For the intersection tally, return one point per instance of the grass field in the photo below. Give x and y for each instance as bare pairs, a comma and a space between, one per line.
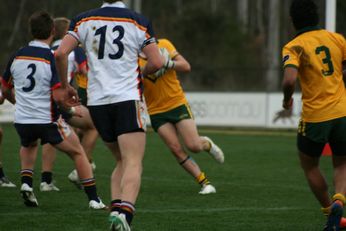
259, 187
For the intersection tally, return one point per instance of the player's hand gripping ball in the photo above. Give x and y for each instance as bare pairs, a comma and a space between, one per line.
168, 64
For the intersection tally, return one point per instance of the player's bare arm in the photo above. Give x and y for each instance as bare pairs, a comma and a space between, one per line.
288, 85
181, 64
61, 56
7, 93
155, 60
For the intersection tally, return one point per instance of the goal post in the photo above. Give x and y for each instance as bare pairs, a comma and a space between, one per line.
331, 15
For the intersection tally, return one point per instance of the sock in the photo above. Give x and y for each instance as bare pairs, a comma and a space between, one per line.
26, 176
202, 179
186, 159
116, 205
90, 189
128, 209
339, 197
2, 174
326, 210
46, 177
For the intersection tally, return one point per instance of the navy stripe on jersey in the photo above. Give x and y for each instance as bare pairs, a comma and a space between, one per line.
114, 12
79, 55
35, 53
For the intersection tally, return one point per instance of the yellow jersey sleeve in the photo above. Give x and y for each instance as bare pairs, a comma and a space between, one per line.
342, 43
165, 43
291, 56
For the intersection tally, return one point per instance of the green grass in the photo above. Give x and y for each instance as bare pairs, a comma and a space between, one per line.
259, 187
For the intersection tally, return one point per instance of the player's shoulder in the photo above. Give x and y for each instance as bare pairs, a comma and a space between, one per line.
41, 53
164, 41
339, 37
112, 12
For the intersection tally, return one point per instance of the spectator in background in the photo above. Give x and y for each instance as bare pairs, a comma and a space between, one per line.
317, 56
32, 74
112, 37
171, 117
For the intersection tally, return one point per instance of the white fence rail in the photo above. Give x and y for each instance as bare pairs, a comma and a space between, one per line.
226, 110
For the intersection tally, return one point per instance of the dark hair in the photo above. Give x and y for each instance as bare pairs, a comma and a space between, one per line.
304, 13
61, 26
41, 25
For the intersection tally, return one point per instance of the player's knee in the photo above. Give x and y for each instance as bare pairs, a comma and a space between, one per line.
175, 148
194, 147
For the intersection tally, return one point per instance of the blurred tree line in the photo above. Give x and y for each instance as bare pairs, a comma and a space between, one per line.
231, 45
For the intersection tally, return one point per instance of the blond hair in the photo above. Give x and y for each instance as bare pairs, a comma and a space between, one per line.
61, 25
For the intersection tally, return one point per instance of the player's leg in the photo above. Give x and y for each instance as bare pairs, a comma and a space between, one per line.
132, 147
4, 181
88, 131
71, 145
337, 143
116, 177
89, 137
188, 130
27, 158
315, 178
169, 135
29, 135
48, 159
311, 140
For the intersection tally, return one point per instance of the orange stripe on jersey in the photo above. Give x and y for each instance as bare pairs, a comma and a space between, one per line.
95, 18
33, 58
61, 129
139, 118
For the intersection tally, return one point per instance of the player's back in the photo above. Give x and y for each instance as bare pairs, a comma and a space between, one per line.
112, 38
319, 54
33, 78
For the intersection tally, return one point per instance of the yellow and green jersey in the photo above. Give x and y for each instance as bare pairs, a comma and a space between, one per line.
81, 80
318, 55
164, 93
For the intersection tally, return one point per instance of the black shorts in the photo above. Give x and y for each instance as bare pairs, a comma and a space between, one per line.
53, 133
312, 137
113, 120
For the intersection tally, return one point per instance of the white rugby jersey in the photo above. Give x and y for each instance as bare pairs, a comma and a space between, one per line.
76, 59
71, 66
32, 73
112, 37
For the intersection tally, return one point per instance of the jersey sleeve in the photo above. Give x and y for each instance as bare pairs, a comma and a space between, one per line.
149, 36
7, 76
169, 47
73, 30
343, 45
290, 57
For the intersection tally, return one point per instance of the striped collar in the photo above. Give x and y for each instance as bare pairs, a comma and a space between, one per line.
118, 4
37, 43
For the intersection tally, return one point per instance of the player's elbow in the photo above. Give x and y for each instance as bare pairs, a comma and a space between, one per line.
186, 67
